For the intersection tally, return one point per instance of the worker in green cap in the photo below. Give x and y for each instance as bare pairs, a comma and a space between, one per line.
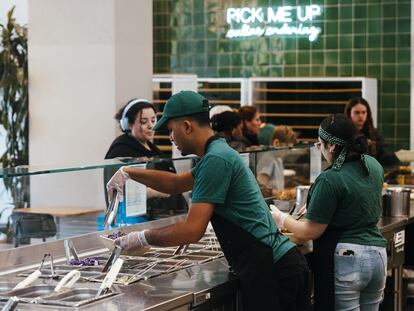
273, 273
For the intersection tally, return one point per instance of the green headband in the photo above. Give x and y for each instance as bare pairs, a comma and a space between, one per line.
337, 165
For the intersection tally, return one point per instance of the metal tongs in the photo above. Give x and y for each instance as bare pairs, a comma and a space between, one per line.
70, 250
110, 277
113, 258
52, 269
181, 249
11, 304
112, 210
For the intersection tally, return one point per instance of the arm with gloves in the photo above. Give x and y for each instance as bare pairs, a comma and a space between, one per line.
188, 231
306, 229
165, 182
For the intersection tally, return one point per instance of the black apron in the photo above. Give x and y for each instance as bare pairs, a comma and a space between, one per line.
250, 259
321, 262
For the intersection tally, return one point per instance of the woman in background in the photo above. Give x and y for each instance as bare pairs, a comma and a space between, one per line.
358, 110
137, 120
228, 125
251, 125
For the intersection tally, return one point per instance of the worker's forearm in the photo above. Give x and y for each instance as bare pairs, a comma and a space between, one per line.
159, 180
174, 235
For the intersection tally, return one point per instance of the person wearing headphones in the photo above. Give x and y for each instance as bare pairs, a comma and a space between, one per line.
137, 119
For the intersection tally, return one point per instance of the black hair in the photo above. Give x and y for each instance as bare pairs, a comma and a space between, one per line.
339, 125
134, 110
225, 121
247, 113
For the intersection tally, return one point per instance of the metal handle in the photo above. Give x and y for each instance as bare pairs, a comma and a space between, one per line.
112, 210
70, 250
11, 304
68, 280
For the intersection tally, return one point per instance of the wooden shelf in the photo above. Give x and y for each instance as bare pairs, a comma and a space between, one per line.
224, 101
271, 90
304, 127
295, 115
219, 90
300, 102
165, 148
163, 90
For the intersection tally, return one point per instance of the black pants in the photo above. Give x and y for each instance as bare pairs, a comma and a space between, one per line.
284, 288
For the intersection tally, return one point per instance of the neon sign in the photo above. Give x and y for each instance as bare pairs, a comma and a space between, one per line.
283, 20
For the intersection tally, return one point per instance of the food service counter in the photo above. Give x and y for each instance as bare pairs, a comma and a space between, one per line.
200, 286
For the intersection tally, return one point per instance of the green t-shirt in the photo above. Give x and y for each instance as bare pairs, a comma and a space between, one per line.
350, 199
265, 134
222, 178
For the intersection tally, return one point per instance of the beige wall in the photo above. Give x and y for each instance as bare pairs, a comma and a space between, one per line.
86, 58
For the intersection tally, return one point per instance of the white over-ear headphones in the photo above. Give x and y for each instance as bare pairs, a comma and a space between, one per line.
123, 122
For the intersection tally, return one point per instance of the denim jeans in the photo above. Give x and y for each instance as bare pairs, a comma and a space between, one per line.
360, 275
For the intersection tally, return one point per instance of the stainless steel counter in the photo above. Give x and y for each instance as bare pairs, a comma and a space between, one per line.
181, 290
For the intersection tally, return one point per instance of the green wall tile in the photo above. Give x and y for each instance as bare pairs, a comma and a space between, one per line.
345, 12
360, 11
403, 132
345, 27
303, 58
331, 71
404, 10
303, 72
359, 38
389, 71
317, 58
389, 10
403, 115
387, 116
331, 58
289, 71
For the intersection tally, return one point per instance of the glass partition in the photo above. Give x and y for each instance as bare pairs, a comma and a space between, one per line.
43, 203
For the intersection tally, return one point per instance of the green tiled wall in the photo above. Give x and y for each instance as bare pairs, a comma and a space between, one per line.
369, 38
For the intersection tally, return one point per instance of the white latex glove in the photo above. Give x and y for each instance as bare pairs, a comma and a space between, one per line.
278, 216
133, 240
117, 182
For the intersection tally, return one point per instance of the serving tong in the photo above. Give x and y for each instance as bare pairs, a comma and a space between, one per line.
116, 252
70, 250
11, 304
112, 210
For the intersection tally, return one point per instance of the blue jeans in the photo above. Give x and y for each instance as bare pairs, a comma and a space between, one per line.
360, 275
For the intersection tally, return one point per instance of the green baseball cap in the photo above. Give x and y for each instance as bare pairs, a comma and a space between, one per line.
181, 104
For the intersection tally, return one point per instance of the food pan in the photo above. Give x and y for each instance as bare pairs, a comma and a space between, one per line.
27, 294
74, 297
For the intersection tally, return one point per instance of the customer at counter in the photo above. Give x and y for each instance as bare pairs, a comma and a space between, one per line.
343, 209
251, 125
270, 166
273, 273
359, 111
137, 120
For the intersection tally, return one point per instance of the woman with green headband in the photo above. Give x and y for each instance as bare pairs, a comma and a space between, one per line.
349, 259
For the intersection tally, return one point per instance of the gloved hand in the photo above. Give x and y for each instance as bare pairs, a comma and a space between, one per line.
278, 216
117, 182
133, 240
